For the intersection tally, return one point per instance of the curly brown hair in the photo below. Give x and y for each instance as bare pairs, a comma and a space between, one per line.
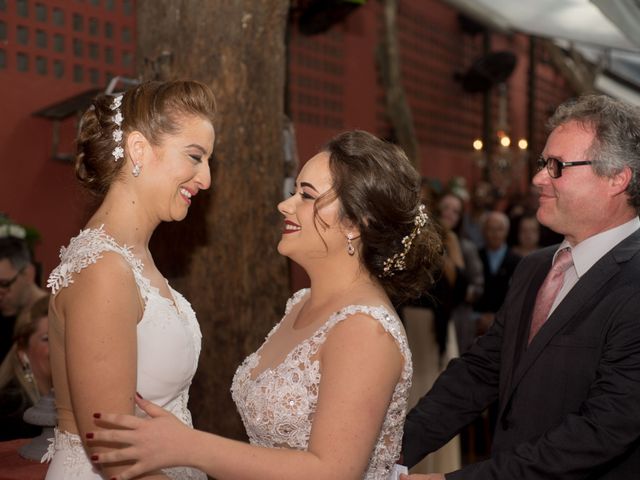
379, 193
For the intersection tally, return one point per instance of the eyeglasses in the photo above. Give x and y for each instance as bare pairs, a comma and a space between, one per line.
555, 165
6, 284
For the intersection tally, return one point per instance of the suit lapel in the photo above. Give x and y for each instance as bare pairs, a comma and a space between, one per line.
519, 345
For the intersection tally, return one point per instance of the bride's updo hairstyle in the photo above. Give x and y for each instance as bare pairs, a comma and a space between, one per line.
379, 191
152, 108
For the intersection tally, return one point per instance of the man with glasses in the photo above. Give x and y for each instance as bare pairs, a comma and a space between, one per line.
18, 290
563, 354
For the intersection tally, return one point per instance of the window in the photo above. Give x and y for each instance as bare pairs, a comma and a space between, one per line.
41, 12
77, 22
22, 35
41, 38
3, 59
3, 30
58, 42
94, 76
109, 4
108, 55
127, 7
108, 29
22, 62
3, 7
22, 7
58, 68
58, 17
126, 59
93, 26
77, 47
78, 73
93, 51
107, 77
41, 65
126, 35
95, 2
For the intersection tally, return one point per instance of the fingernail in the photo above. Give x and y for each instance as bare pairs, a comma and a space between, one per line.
139, 396
96, 415
94, 458
89, 435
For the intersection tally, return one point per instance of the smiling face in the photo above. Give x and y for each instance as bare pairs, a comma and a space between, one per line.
306, 238
450, 208
579, 203
176, 169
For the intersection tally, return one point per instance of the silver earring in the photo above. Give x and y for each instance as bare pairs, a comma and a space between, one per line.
26, 370
136, 169
350, 249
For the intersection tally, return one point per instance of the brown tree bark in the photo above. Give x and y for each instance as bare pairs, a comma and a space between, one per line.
398, 107
223, 256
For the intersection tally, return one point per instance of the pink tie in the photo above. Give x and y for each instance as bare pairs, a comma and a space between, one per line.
549, 290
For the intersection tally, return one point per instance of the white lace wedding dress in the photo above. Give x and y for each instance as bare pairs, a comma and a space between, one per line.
277, 407
168, 341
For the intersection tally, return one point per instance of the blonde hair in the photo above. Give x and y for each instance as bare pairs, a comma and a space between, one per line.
11, 367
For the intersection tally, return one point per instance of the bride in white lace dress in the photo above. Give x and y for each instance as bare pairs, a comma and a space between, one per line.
325, 396
116, 326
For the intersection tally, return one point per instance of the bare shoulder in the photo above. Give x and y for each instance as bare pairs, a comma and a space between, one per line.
364, 334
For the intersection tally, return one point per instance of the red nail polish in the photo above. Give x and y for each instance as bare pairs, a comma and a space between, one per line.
96, 415
89, 435
94, 458
139, 396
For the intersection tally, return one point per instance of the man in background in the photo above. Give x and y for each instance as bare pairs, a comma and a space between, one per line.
18, 289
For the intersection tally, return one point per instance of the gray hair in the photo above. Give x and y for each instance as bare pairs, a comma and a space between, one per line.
616, 144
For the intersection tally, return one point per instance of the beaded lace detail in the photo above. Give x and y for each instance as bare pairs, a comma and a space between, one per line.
277, 407
169, 343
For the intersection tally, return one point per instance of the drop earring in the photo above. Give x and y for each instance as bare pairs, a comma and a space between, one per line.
135, 171
26, 369
350, 249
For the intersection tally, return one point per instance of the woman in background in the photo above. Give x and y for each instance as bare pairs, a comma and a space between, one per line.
25, 373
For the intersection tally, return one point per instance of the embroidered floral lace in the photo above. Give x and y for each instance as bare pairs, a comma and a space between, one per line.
277, 407
169, 341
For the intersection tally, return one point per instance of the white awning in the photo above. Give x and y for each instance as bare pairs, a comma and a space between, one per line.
607, 32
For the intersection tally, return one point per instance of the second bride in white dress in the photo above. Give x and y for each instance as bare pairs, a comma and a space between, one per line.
116, 327
326, 395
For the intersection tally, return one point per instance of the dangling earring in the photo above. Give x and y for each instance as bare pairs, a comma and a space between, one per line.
136, 169
350, 249
26, 369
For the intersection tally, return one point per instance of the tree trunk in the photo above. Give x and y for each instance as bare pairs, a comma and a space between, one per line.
223, 256
398, 107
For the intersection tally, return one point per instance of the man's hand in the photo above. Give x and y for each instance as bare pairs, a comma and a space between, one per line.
417, 476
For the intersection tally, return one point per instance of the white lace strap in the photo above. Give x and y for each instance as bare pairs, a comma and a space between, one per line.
389, 322
295, 298
86, 249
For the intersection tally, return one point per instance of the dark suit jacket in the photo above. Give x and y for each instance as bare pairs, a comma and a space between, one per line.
496, 284
569, 403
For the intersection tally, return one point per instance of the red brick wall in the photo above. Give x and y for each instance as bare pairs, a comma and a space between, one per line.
35, 189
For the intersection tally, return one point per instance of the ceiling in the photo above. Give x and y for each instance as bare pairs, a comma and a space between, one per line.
606, 32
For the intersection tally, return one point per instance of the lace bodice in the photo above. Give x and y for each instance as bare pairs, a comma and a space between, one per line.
168, 334
277, 407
